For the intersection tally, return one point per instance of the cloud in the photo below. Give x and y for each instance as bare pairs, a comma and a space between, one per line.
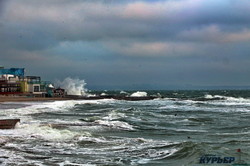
154, 26
241, 36
118, 40
152, 48
138, 28
138, 20
215, 34
2, 4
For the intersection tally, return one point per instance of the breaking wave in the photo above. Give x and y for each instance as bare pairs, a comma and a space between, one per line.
73, 86
115, 124
175, 130
139, 94
209, 97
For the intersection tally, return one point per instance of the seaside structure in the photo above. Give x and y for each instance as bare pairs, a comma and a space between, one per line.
32, 84
59, 92
9, 80
14, 82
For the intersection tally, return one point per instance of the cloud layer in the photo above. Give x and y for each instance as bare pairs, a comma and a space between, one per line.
126, 43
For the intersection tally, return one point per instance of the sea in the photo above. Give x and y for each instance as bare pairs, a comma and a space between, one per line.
178, 128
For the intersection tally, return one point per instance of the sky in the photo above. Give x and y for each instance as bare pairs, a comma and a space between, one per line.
129, 44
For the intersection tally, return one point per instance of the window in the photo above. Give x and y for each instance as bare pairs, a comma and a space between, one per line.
36, 88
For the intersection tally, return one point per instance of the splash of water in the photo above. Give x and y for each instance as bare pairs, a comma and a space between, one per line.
73, 86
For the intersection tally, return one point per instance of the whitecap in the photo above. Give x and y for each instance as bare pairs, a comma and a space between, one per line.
114, 114
47, 132
115, 124
139, 94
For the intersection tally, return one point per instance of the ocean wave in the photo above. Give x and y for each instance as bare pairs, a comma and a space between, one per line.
190, 130
42, 107
208, 97
69, 163
139, 94
188, 152
114, 124
47, 132
165, 131
114, 114
123, 92
152, 155
128, 151
83, 140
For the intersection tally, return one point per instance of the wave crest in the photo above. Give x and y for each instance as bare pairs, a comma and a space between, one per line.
139, 94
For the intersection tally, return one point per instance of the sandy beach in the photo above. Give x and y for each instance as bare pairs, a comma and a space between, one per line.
25, 98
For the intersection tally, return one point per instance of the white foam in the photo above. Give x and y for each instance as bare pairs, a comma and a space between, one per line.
228, 98
74, 164
189, 130
209, 97
140, 161
103, 94
153, 154
123, 92
40, 107
114, 115
46, 132
139, 94
92, 139
115, 124
91, 95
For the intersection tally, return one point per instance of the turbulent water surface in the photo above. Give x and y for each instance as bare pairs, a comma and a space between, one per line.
177, 129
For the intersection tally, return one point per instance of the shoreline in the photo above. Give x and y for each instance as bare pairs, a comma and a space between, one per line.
4, 99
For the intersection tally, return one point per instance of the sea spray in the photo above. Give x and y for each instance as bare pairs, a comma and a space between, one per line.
73, 86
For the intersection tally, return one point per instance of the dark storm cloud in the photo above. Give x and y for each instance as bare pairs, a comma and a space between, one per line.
2, 4
151, 38
139, 21
90, 20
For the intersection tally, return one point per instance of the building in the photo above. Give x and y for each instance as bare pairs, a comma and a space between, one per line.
13, 81
8, 85
59, 92
9, 80
33, 85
